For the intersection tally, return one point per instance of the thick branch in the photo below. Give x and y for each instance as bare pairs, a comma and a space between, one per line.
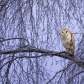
46, 52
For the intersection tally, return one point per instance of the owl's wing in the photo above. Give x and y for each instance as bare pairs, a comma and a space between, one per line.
72, 42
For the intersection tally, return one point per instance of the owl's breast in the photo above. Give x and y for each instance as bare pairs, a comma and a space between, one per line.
66, 41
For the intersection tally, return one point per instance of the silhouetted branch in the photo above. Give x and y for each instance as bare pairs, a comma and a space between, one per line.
45, 53
69, 80
7, 71
2, 39
59, 72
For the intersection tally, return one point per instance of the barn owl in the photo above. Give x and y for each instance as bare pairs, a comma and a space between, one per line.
68, 41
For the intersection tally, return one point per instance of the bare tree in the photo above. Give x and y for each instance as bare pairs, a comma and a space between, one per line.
30, 33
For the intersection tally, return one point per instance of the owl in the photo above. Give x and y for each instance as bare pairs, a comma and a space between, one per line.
68, 41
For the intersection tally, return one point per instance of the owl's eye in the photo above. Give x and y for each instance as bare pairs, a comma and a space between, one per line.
66, 31
62, 31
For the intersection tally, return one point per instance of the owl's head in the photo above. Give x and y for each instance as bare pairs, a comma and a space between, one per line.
65, 32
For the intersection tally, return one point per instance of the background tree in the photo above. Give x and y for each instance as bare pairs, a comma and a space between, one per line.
30, 35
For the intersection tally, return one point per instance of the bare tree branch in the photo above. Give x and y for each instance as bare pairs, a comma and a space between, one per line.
59, 72
2, 39
46, 52
69, 80
7, 72
54, 76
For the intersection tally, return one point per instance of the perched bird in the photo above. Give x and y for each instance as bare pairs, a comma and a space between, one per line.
68, 41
